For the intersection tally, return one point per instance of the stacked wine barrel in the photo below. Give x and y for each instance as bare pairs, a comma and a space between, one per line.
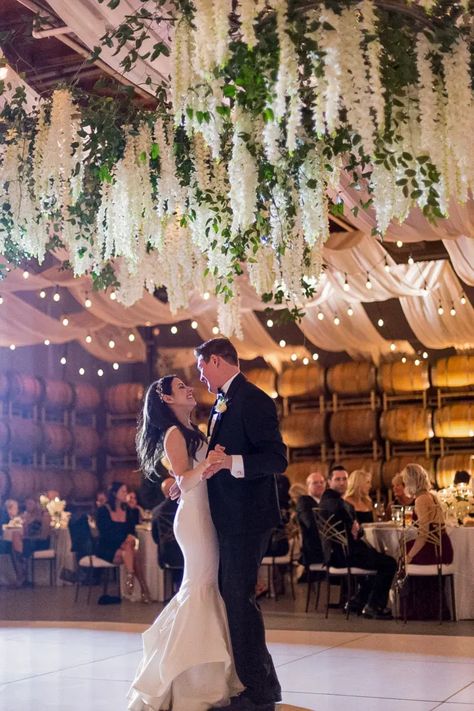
40, 440
122, 403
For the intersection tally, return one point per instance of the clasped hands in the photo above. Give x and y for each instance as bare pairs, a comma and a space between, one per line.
216, 460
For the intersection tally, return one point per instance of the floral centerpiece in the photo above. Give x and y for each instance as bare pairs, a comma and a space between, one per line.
458, 503
55, 508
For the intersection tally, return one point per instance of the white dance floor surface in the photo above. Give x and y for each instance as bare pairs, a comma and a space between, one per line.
88, 667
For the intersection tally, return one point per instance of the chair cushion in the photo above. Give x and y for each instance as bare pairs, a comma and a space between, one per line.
429, 570
92, 561
47, 554
278, 560
316, 566
354, 571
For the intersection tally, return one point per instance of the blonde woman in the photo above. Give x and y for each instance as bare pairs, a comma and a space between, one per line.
428, 513
358, 488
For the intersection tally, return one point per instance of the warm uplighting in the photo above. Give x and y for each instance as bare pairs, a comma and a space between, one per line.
87, 303
63, 360
174, 330
113, 296
46, 341
194, 324
88, 339
131, 337
115, 366
380, 322
305, 361
320, 315
65, 321
215, 330
399, 243
368, 283
337, 320
350, 311
100, 372
111, 343
269, 323
12, 346
282, 343
81, 371
393, 347
315, 356
294, 357
206, 295
26, 274
42, 294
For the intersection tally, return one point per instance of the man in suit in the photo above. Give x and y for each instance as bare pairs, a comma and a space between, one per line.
312, 551
244, 508
374, 590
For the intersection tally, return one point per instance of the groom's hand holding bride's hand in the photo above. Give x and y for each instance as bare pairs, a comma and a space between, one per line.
216, 460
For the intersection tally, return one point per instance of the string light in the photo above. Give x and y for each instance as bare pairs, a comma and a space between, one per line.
294, 357
42, 294
115, 366
368, 283
425, 289
174, 330
425, 355
1, 300
100, 372
440, 309
274, 394
46, 341
411, 261
337, 320
463, 299
65, 321
346, 283
282, 343
417, 361
81, 371
3, 73
315, 356
320, 315
453, 310
305, 361
87, 303
56, 296
269, 323
26, 274
404, 360
194, 324
88, 339
63, 360
111, 343
350, 311
380, 322
206, 295
386, 265
215, 330
12, 346
393, 347
399, 243
131, 337
113, 296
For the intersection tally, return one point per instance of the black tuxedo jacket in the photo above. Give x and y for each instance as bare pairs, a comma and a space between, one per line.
332, 503
248, 427
312, 551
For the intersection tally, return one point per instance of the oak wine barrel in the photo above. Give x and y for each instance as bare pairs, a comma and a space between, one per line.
87, 397
130, 477
454, 420
86, 441
4, 485
398, 378
301, 381
352, 378
297, 472
120, 440
24, 481
124, 398
4, 434
25, 389
303, 429
406, 424
57, 438
263, 378
57, 480
396, 464
58, 395
456, 371
84, 485
366, 464
447, 466
353, 426
26, 436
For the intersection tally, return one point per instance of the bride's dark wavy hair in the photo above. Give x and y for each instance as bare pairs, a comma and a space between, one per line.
154, 421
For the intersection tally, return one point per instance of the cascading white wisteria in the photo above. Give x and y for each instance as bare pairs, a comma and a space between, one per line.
243, 174
373, 53
260, 269
203, 34
248, 11
55, 162
313, 199
460, 115
220, 40
287, 82
328, 87
229, 316
383, 196
182, 75
291, 259
428, 100
271, 136
179, 265
355, 89
169, 194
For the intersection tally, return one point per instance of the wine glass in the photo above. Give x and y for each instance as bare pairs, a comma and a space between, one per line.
379, 510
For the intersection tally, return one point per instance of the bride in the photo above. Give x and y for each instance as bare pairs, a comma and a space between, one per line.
187, 662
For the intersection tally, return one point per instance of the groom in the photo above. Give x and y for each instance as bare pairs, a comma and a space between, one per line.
244, 509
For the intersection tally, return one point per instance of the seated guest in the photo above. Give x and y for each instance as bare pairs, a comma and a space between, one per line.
311, 550
117, 542
400, 497
358, 488
33, 536
162, 518
136, 511
461, 477
295, 491
373, 593
428, 513
101, 498
9, 511
283, 492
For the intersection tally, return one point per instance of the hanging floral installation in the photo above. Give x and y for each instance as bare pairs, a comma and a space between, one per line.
239, 166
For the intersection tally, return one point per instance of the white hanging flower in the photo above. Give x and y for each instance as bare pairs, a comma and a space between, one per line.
373, 52
229, 316
328, 87
243, 175
248, 11
271, 136
169, 193
204, 99
318, 85
428, 101
203, 31
222, 10
182, 75
288, 78
313, 199
260, 269
291, 260
294, 121
383, 196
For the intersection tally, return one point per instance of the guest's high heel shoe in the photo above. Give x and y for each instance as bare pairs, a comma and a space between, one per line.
129, 584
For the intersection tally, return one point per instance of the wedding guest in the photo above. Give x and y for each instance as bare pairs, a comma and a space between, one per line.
136, 511
9, 511
400, 497
296, 490
461, 477
101, 498
358, 488
311, 550
117, 542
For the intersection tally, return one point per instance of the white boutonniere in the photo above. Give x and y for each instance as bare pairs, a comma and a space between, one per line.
221, 404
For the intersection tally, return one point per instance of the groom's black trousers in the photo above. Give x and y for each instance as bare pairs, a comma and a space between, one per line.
240, 558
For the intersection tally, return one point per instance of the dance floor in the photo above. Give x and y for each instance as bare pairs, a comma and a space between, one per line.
88, 667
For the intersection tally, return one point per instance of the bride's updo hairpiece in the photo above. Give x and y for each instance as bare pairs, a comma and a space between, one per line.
159, 389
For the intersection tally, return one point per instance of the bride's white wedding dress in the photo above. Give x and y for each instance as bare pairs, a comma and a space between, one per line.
187, 662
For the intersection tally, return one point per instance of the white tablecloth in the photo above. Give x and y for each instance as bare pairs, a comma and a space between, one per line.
387, 539
60, 541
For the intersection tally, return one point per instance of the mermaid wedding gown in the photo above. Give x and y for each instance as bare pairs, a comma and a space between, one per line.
187, 662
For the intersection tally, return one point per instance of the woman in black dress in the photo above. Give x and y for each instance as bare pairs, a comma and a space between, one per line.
117, 541
358, 487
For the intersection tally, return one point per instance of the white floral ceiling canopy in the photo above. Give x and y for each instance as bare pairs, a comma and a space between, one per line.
295, 113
